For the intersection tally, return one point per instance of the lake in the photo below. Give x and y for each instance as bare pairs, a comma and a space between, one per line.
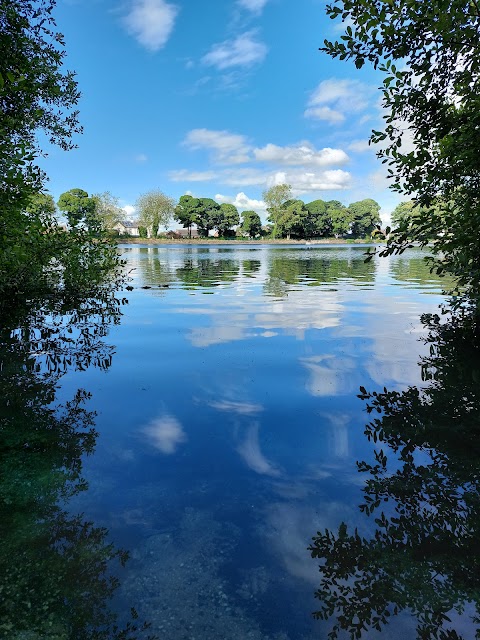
229, 426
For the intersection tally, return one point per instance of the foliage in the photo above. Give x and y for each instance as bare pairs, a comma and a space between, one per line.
37, 101
365, 217
228, 218
423, 555
207, 215
403, 212
41, 206
35, 95
319, 222
186, 212
275, 198
251, 224
108, 210
340, 218
155, 209
291, 219
79, 209
430, 57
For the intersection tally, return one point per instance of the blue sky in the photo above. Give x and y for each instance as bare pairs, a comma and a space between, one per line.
221, 99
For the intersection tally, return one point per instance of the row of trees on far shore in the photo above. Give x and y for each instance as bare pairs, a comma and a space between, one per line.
287, 217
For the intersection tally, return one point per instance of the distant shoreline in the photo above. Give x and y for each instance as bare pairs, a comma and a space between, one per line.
217, 241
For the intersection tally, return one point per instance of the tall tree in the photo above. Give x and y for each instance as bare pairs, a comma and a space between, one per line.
207, 216
251, 223
155, 209
108, 210
319, 222
36, 94
186, 212
292, 219
79, 208
340, 218
41, 206
365, 217
403, 212
429, 53
275, 198
228, 218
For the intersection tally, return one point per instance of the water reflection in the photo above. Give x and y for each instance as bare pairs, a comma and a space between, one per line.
230, 428
423, 490
59, 570
288, 270
416, 271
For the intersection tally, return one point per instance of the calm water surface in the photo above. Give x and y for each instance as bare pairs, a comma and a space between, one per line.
229, 425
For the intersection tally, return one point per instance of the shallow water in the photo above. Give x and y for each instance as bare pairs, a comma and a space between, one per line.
229, 425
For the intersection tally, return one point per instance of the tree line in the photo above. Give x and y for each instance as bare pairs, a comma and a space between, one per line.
287, 217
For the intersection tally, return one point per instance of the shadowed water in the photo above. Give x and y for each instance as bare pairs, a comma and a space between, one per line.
229, 426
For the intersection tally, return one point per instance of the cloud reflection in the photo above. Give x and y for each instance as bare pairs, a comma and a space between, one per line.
242, 408
165, 434
330, 375
249, 449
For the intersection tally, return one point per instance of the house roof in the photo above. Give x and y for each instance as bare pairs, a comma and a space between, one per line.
129, 224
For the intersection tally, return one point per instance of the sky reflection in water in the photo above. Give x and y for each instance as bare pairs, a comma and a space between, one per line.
229, 424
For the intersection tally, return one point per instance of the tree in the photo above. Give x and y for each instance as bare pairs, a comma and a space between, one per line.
403, 212
35, 95
433, 94
292, 219
41, 206
186, 212
228, 218
155, 209
108, 210
365, 217
340, 217
319, 222
207, 215
79, 208
251, 224
275, 198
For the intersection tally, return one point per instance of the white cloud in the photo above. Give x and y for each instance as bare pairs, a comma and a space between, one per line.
325, 113
243, 51
301, 181
184, 175
303, 154
151, 22
129, 210
141, 158
245, 177
242, 202
227, 148
333, 98
255, 6
165, 434
299, 165
306, 181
